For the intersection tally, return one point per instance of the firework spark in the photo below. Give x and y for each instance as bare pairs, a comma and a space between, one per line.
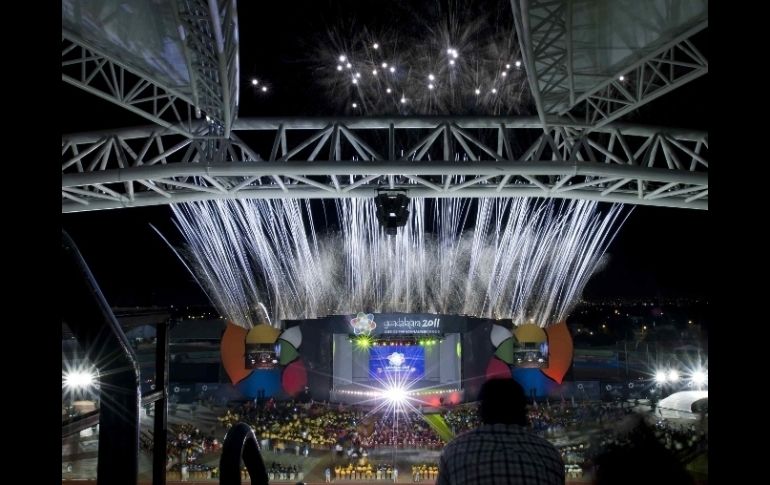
460, 59
523, 259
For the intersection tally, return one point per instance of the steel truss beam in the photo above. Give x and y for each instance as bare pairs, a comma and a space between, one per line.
544, 30
210, 35
355, 157
211, 39
642, 82
91, 70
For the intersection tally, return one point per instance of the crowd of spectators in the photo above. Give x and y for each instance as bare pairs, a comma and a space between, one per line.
363, 470
351, 431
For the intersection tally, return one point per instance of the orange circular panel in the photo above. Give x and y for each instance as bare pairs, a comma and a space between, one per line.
233, 350
559, 351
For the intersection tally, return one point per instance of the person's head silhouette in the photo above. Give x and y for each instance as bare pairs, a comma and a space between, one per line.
502, 401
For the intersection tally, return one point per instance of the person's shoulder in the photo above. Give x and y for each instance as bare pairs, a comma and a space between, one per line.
461, 440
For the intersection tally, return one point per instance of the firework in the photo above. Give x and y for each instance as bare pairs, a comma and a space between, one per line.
463, 59
522, 259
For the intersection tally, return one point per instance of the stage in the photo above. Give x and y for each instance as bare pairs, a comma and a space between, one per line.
371, 395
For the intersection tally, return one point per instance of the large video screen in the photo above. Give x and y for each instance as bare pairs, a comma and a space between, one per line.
397, 363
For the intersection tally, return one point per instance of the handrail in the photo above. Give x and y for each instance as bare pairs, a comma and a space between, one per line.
240, 441
79, 423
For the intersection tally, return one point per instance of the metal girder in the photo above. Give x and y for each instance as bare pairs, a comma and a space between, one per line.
642, 82
428, 157
211, 39
545, 32
89, 69
210, 32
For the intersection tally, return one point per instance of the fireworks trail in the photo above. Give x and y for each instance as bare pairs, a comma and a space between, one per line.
523, 259
463, 58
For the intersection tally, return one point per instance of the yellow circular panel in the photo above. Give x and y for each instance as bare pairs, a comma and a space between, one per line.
530, 333
262, 334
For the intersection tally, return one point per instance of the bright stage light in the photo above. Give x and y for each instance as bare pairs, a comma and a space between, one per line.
375, 46
339, 68
388, 90
518, 63
395, 395
622, 78
451, 62
430, 86
478, 91
363, 342
343, 58
254, 82
661, 376
403, 100
673, 375
699, 377
79, 379
431, 77
392, 69
384, 65
264, 89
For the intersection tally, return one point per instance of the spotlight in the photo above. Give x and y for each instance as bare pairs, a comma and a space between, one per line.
518, 63
396, 395
622, 78
375, 46
699, 377
343, 58
673, 375
254, 81
79, 379
392, 208
661, 376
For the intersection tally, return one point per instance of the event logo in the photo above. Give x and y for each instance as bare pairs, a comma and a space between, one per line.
396, 359
363, 324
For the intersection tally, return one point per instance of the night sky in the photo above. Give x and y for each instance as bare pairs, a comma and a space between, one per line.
659, 252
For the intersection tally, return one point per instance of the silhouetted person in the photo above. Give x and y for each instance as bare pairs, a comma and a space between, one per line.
503, 450
641, 460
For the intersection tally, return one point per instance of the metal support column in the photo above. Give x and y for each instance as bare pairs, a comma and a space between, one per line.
160, 432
